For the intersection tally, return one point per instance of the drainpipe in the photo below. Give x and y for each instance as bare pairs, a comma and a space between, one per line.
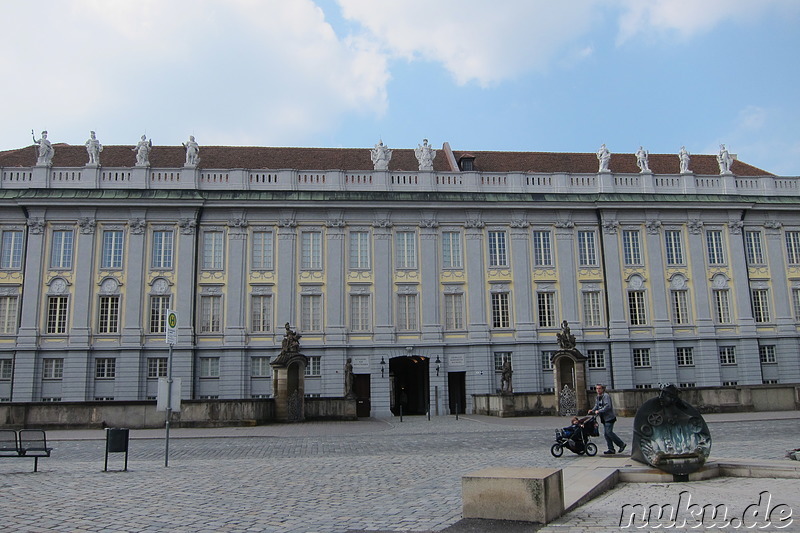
605, 290
195, 280
749, 292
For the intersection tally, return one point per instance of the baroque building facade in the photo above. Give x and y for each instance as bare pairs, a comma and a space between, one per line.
426, 268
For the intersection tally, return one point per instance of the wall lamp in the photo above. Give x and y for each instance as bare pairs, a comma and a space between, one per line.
383, 366
438, 362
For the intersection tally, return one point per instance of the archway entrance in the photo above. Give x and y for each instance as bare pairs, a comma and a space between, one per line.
409, 384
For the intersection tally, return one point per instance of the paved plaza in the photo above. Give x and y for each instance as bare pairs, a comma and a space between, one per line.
369, 475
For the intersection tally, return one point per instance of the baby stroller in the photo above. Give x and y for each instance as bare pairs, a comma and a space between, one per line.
578, 441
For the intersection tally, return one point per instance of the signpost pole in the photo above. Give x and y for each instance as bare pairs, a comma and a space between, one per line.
172, 337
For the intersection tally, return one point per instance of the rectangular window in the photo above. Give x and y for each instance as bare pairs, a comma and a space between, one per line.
498, 251
209, 367
644, 386
501, 312
61, 250
722, 308
793, 247
11, 253
641, 357
261, 313
796, 303
158, 314
587, 254
766, 354
591, 309
156, 367
113, 242
632, 253
8, 315
753, 248
57, 314
108, 321
105, 368
636, 308
212, 250
547, 310
359, 250
729, 383
407, 312
52, 368
406, 249
596, 358
547, 360
162, 249
674, 247
311, 312
314, 367
5, 369
359, 312
451, 249
311, 250
716, 251
760, 298
454, 311
727, 355
210, 314
498, 360
685, 356
680, 307
259, 367
542, 249
262, 250
687, 385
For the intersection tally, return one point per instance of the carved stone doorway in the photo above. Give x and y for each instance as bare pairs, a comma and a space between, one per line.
570, 381
288, 388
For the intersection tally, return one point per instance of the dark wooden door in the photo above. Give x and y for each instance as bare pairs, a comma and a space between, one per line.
361, 390
457, 389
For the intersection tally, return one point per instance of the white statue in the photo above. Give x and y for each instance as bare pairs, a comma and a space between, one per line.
46, 150
724, 159
192, 152
683, 155
93, 148
604, 156
641, 160
381, 155
425, 155
143, 152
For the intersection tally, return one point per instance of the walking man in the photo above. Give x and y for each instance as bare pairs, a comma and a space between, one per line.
604, 408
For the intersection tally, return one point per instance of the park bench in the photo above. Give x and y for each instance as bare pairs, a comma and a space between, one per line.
30, 443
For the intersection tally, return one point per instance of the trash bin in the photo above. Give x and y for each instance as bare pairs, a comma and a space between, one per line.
116, 442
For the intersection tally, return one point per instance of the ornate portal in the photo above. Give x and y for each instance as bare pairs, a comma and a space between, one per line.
569, 374
288, 379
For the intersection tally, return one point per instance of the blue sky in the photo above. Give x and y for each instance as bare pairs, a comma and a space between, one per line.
523, 75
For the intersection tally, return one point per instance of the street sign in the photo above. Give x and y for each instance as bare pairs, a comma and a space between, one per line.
163, 400
172, 327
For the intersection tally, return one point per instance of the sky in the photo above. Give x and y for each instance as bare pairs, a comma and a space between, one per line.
507, 75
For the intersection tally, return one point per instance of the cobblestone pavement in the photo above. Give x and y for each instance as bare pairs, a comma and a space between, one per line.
370, 475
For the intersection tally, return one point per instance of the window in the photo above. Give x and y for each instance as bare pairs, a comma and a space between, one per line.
259, 367
760, 298
641, 357
314, 367
498, 255
311, 312
359, 250
674, 247
261, 313
162, 249
547, 311
210, 314
8, 315
209, 367
766, 354
406, 249
591, 309
796, 303
753, 248
113, 241
262, 250
498, 360
644, 386
359, 312
11, 253
407, 312
451, 249
793, 247
156, 367
632, 253
105, 368
680, 307
727, 355
57, 314
5, 369
158, 314
636, 308
501, 314
454, 311
547, 360
212, 250
687, 385
769, 381
61, 250
52, 368
729, 383
311, 250
596, 358
587, 255
685, 356
716, 253
542, 249
722, 309
108, 321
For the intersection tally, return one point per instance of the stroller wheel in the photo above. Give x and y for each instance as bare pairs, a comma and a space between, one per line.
557, 450
591, 449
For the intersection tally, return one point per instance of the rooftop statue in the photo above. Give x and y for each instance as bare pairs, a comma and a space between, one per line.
604, 156
641, 160
142, 150
46, 150
724, 159
381, 155
425, 155
93, 148
192, 152
683, 155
